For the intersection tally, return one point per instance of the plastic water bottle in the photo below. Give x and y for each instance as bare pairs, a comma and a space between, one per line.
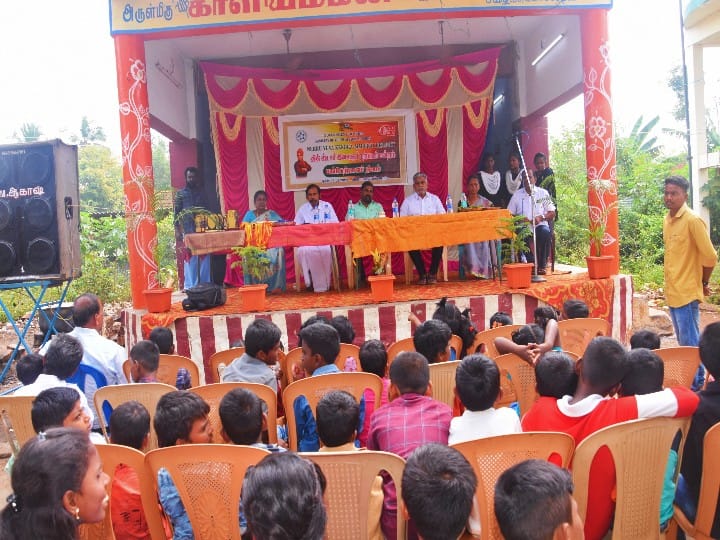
448, 204
395, 208
351, 211
316, 214
326, 214
463, 201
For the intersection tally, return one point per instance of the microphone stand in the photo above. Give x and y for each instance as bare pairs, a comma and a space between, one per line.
535, 277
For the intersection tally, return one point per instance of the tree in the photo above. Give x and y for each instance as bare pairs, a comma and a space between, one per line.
29, 132
89, 134
161, 162
101, 188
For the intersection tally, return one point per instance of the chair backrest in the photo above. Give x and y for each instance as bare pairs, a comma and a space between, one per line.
350, 477
146, 393
456, 344
223, 357
169, 365
517, 381
208, 478
680, 365
16, 420
111, 456
640, 450
213, 394
492, 456
485, 341
576, 334
347, 349
709, 489
402, 345
314, 388
442, 377
292, 358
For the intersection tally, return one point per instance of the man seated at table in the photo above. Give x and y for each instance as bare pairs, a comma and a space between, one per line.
422, 203
536, 205
366, 208
316, 261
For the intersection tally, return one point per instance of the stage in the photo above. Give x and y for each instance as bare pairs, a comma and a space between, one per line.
199, 334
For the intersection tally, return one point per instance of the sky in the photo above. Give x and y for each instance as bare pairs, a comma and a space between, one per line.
58, 63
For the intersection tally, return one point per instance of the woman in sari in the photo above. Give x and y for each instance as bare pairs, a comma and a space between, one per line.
476, 257
277, 255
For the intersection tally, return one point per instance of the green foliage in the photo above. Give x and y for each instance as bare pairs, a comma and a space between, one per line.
29, 132
161, 162
101, 188
254, 261
89, 133
711, 200
517, 230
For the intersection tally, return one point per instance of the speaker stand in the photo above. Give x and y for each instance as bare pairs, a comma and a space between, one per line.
39, 305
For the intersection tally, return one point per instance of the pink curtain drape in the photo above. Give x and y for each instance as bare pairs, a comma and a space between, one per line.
475, 117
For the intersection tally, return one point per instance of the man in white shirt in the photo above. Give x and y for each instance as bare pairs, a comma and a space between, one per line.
316, 261
536, 205
422, 203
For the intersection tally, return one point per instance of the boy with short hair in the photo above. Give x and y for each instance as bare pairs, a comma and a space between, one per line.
59, 407
129, 426
144, 362
373, 359
181, 417
645, 339
706, 416
262, 343
411, 419
243, 420
432, 340
477, 384
600, 372
163, 338
555, 375
574, 308
438, 486
29, 367
534, 501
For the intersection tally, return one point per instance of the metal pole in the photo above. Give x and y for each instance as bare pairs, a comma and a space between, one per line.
687, 101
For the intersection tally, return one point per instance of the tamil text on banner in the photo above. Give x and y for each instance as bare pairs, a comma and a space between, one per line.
342, 150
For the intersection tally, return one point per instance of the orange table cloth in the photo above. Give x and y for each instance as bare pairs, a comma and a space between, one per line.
214, 241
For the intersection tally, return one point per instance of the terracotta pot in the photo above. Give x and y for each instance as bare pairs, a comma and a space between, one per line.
158, 300
253, 297
381, 287
518, 275
600, 267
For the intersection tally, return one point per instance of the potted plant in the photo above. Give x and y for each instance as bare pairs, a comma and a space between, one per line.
381, 283
517, 230
256, 264
599, 266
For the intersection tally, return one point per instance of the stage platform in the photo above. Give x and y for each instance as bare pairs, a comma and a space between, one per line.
199, 334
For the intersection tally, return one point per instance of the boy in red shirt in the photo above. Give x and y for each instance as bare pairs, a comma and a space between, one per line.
600, 372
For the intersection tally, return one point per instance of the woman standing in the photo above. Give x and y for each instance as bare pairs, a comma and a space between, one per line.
491, 186
276, 255
513, 176
476, 257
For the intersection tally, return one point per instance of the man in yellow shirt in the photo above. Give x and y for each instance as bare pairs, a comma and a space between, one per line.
689, 260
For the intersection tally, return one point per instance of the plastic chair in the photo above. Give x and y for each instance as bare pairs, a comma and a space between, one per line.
640, 451
16, 420
517, 381
111, 456
492, 456
456, 344
442, 377
292, 358
208, 478
347, 349
314, 388
402, 345
146, 393
223, 357
169, 365
485, 341
576, 334
709, 488
350, 476
681, 364
213, 394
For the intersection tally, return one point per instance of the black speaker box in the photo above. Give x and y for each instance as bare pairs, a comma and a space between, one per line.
39, 212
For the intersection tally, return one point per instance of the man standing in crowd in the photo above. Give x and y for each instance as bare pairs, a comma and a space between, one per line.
192, 196
316, 261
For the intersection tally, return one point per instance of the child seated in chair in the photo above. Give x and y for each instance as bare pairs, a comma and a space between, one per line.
600, 372
534, 501
373, 359
144, 362
129, 426
645, 339
555, 375
438, 487
477, 384
499, 318
262, 343
411, 419
59, 407
525, 342
337, 420
243, 420
181, 417
29, 367
574, 308
432, 340
163, 338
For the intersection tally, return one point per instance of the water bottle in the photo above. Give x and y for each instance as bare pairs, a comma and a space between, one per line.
316, 214
448, 204
463, 201
351, 211
326, 213
395, 208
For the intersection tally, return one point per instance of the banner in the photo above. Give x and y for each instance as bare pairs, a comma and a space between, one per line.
127, 16
345, 150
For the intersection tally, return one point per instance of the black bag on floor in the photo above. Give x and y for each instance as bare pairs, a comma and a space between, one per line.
204, 296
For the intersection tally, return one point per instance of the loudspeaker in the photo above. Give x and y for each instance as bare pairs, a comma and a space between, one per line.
39, 212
